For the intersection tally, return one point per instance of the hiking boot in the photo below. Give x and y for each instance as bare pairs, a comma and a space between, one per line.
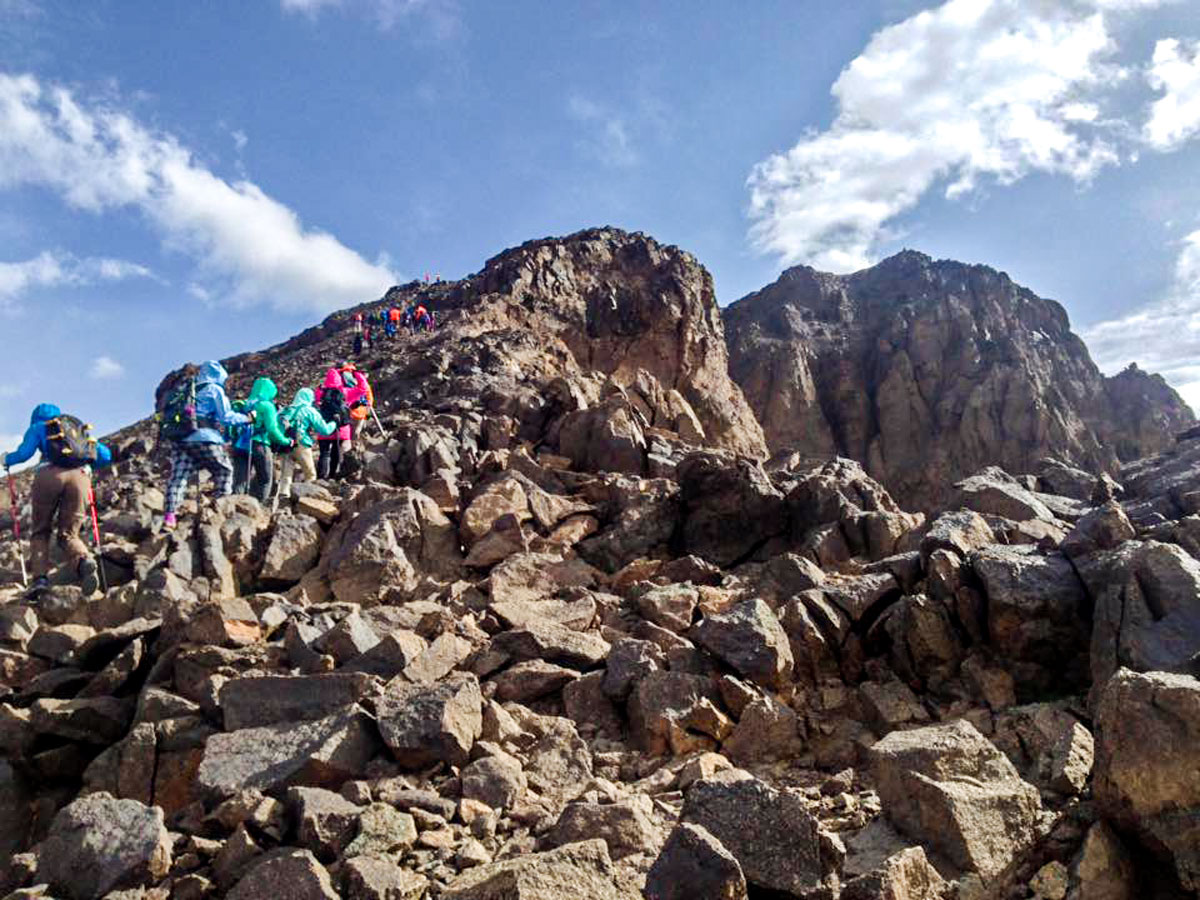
89, 579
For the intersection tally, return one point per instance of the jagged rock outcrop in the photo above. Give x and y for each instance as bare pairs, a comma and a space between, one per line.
928, 371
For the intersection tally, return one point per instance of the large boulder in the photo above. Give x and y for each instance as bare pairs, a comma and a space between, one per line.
1147, 609
100, 844
253, 701
1147, 728
770, 832
749, 639
294, 548
294, 874
694, 864
1036, 610
576, 870
427, 723
730, 507
321, 753
948, 787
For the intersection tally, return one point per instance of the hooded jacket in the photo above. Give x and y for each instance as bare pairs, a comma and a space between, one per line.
333, 382
34, 440
305, 419
266, 417
212, 405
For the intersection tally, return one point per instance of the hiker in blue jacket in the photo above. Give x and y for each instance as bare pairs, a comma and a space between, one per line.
204, 448
60, 489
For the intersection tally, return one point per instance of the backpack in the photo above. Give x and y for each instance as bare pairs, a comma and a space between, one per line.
333, 406
69, 442
178, 417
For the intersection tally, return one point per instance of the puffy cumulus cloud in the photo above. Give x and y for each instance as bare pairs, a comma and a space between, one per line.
1163, 337
105, 368
250, 248
1175, 72
52, 268
968, 92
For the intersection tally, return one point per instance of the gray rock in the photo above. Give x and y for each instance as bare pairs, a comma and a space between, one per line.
749, 639
100, 844
382, 830
630, 661
368, 878
948, 786
694, 864
531, 681
770, 832
1035, 604
552, 643
1147, 727
497, 781
423, 724
961, 532
627, 826
294, 548
321, 753
576, 870
325, 822
994, 492
294, 874
251, 702
906, 875
348, 639
96, 720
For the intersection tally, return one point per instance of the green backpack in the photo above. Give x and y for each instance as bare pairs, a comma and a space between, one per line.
178, 417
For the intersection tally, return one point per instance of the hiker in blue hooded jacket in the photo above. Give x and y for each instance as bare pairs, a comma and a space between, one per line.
60, 490
204, 448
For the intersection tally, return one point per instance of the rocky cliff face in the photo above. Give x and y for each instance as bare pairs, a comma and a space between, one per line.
555, 636
927, 371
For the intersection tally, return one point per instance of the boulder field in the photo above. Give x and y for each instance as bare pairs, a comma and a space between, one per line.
576, 624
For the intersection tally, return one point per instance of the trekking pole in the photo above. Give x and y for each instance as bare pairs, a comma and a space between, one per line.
375, 415
16, 517
96, 537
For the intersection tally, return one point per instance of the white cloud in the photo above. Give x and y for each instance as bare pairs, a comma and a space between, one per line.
443, 17
608, 138
969, 93
52, 268
105, 367
1163, 337
250, 247
1175, 116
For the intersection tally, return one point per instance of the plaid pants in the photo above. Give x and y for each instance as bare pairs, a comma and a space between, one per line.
186, 458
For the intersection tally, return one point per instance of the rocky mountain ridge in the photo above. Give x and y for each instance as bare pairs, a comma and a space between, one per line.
927, 371
565, 631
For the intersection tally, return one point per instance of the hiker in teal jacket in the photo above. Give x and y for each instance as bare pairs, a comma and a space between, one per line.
255, 461
303, 421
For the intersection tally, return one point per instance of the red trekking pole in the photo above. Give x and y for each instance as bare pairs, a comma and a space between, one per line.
16, 518
96, 536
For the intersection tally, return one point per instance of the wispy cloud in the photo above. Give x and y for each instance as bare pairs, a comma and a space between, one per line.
54, 268
442, 17
968, 93
607, 136
1163, 337
1175, 72
250, 248
106, 368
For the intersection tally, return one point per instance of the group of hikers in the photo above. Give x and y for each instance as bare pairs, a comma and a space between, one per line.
236, 442
415, 317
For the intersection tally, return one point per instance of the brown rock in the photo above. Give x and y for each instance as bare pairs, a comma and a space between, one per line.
693, 863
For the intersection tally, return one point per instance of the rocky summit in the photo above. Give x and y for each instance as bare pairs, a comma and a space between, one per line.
856, 591
927, 371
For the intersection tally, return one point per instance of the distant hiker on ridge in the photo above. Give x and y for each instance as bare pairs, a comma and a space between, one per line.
194, 415
61, 489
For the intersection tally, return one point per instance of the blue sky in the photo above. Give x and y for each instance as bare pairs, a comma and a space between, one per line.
187, 180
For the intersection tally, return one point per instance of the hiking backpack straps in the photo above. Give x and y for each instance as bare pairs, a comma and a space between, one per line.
178, 418
69, 442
